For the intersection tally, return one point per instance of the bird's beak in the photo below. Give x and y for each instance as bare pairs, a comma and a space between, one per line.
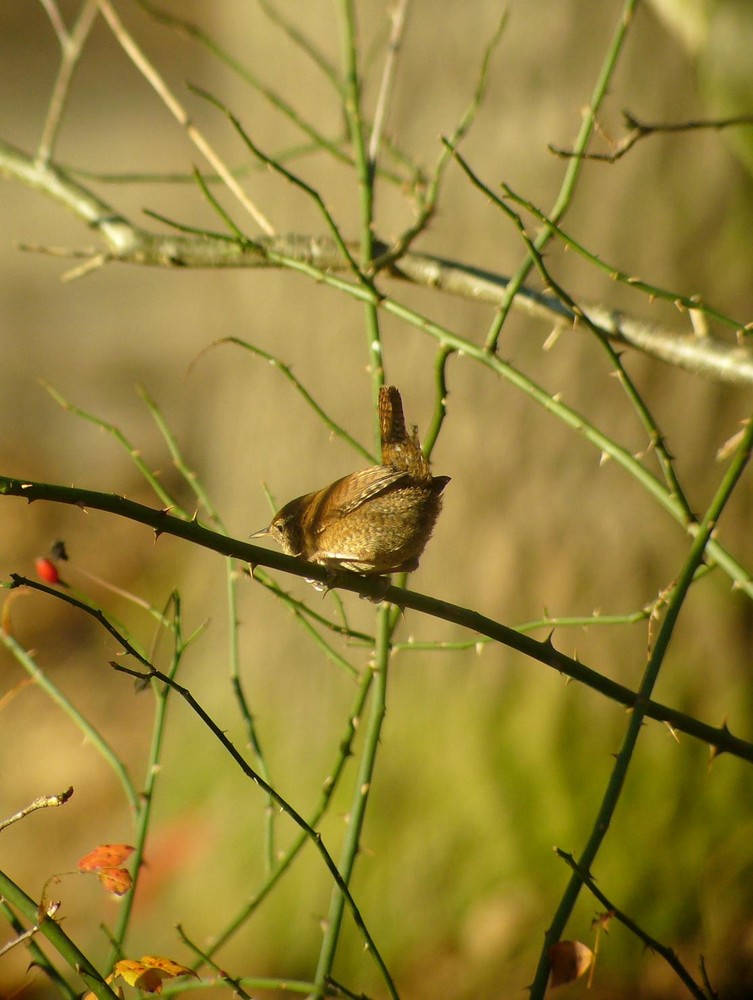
260, 533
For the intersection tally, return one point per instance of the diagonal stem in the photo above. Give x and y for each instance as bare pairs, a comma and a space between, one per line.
719, 738
656, 659
357, 814
572, 173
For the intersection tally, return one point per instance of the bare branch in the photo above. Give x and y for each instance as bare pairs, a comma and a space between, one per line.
42, 802
639, 130
720, 739
180, 114
388, 75
652, 943
72, 46
708, 356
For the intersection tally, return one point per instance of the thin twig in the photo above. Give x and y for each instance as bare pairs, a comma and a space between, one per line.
678, 593
690, 303
58, 25
42, 802
720, 739
206, 959
655, 436
128, 647
357, 812
319, 141
296, 36
428, 199
179, 113
572, 174
20, 939
319, 258
440, 398
397, 16
666, 953
329, 787
313, 836
231, 574
89, 732
284, 172
40, 915
335, 428
72, 46
640, 130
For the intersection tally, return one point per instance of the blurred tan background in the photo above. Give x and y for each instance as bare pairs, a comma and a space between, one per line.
487, 760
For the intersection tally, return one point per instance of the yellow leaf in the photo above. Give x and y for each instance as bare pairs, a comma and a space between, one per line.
149, 972
167, 965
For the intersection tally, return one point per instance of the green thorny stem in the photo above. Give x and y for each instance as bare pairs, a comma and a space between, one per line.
572, 173
386, 619
356, 817
718, 737
616, 782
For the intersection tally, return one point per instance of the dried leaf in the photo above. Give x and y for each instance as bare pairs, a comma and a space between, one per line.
167, 965
105, 856
568, 961
149, 972
106, 860
139, 975
115, 880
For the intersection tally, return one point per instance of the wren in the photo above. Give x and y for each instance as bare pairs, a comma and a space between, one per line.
373, 522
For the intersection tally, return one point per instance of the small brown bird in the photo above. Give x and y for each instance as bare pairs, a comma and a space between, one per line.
375, 521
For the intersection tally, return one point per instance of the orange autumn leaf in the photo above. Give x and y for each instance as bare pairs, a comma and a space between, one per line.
149, 972
105, 856
568, 961
105, 860
115, 880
